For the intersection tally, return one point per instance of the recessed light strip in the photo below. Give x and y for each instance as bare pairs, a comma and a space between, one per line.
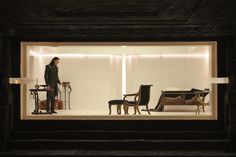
123, 74
80, 55
68, 55
174, 55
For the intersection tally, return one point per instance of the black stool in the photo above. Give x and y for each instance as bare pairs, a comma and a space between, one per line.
118, 103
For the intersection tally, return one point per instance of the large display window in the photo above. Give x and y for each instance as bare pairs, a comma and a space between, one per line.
114, 80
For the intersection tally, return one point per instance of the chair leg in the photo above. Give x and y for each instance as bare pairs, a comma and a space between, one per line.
203, 108
109, 108
118, 109
148, 110
125, 109
134, 109
138, 109
197, 109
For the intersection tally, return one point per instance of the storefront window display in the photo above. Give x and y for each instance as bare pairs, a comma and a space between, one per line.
95, 76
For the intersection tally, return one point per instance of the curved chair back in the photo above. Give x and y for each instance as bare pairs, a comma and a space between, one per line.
144, 94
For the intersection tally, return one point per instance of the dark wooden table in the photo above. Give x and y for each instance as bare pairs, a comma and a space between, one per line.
35, 94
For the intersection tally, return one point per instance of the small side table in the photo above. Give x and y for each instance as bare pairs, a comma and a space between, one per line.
35, 94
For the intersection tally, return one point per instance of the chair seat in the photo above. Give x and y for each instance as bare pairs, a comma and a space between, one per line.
113, 102
132, 102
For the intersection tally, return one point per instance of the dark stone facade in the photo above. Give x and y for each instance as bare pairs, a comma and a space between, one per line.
133, 20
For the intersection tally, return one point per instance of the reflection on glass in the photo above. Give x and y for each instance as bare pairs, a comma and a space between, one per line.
94, 74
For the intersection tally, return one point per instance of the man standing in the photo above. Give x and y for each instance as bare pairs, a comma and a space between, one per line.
52, 79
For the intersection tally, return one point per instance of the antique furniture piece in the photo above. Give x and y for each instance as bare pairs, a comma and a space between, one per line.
34, 94
192, 97
118, 103
41, 105
141, 98
66, 85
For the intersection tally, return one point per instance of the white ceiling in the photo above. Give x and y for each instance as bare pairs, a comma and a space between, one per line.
108, 49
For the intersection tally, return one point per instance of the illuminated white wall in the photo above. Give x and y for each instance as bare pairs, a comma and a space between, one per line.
94, 81
174, 73
97, 79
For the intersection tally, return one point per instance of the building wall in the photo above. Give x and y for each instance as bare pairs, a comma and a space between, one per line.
188, 21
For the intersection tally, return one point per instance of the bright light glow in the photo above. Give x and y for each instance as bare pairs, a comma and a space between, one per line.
32, 53
78, 55
206, 55
123, 46
81, 55
123, 74
174, 56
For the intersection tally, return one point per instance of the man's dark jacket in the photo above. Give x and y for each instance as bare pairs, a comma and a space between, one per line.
51, 77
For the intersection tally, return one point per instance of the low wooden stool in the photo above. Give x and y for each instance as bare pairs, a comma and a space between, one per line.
118, 103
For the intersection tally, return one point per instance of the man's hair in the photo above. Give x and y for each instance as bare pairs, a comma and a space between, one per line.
53, 60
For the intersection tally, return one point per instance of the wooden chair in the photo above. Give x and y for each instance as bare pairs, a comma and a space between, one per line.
141, 98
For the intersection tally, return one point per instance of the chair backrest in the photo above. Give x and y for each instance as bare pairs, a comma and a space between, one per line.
144, 91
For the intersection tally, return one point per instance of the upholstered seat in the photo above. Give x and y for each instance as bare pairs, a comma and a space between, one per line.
190, 97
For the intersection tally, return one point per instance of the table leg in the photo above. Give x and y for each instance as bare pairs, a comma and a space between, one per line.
36, 103
65, 96
69, 101
69, 96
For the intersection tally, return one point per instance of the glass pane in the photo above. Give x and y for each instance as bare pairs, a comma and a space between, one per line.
92, 74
